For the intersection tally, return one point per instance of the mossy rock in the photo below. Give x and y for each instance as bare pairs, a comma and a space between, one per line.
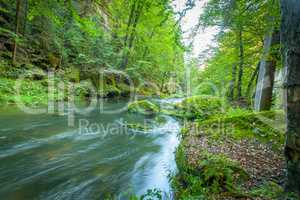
124, 89
109, 91
143, 107
148, 90
200, 107
267, 127
72, 74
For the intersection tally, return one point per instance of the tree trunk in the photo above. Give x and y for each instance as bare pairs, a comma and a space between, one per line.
232, 82
17, 24
290, 36
130, 33
129, 23
241, 65
25, 17
265, 84
252, 80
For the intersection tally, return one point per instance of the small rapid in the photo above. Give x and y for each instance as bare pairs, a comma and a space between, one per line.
41, 157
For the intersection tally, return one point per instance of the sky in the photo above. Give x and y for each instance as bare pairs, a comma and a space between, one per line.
204, 39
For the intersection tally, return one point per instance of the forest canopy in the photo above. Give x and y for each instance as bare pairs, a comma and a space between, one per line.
138, 37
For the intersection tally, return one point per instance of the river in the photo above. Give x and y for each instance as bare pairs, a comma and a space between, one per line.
42, 157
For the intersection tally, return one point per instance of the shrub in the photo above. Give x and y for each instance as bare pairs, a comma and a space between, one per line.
200, 107
213, 175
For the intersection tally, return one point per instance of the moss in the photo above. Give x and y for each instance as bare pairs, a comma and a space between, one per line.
72, 74
173, 113
271, 190
148, 90
83, 90
114, 90
109, 91
143, 107
30, 92
204, 175
200, 107
124, 89
212, 176
266, 127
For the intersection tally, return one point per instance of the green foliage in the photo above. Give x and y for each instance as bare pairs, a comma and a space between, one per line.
254, 20
151, 194
269, 190
219, 172
206, 175
267, 127
213, 174
83, 36
29, 93
200, 107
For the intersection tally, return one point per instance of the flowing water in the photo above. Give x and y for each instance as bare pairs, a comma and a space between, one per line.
41, 157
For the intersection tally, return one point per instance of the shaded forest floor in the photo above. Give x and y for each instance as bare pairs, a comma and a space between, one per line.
262, 165
229, 153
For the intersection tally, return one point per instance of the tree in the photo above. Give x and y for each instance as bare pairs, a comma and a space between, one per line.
243, 24
135, 12
231, 15
17, 26
290, 33
232, 82
264, 88
241, 62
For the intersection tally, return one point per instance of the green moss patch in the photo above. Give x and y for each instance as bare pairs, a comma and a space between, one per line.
210, 176
234, 156
144, 107
266, 127
29, 92
200, 107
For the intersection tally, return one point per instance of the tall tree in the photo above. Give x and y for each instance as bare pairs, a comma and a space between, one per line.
232, 82
25, 13
290, 34
264, 89
17, 26
136, 10
241, 63
252, 80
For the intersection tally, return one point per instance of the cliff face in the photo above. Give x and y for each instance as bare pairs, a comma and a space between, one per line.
103, 10
90, 8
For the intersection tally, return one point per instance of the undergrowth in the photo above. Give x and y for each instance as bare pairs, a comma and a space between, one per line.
214, 175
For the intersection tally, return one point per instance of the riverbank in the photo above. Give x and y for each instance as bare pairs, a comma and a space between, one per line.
230, 154
34, 86
36, 92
